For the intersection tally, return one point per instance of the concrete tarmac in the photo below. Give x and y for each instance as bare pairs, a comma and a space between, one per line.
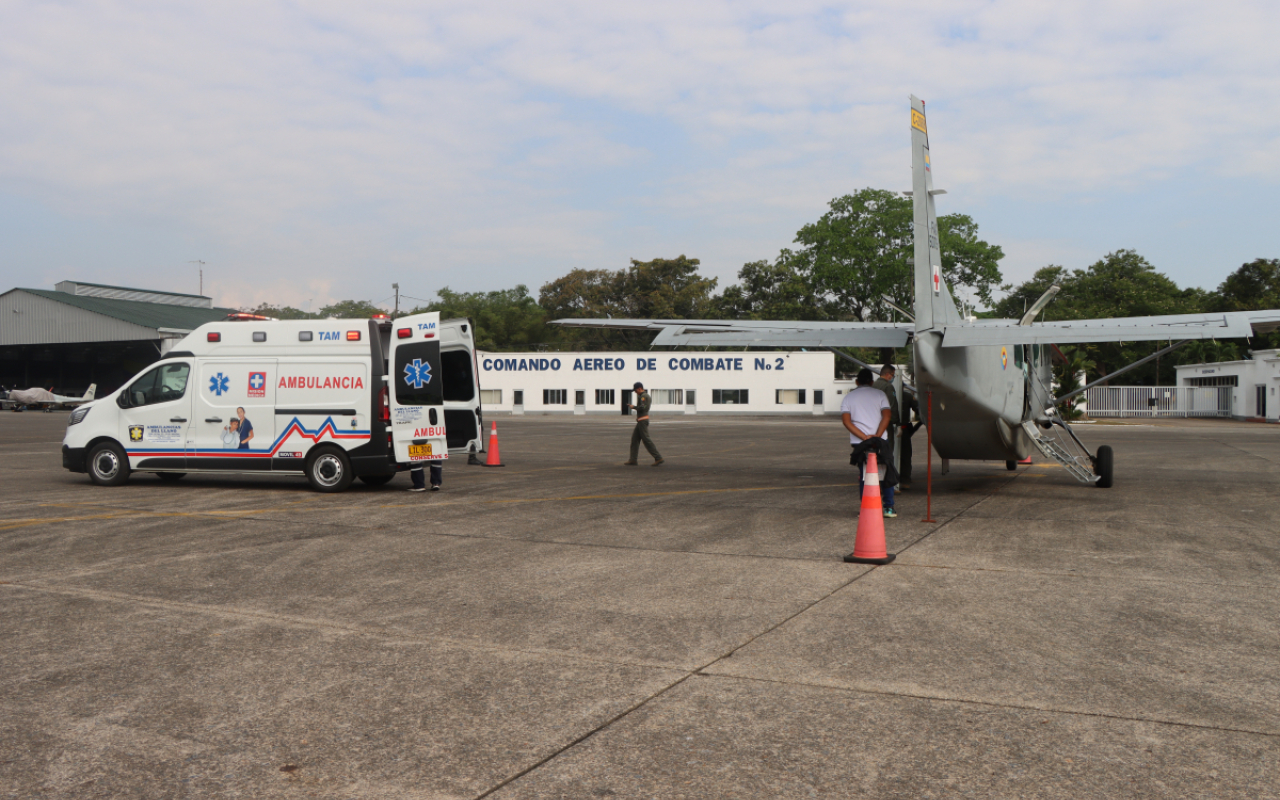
569, 627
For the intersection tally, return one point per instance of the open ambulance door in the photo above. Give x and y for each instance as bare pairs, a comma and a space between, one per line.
462, 415
416, 389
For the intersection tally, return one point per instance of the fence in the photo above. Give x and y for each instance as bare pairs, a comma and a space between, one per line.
1159, 401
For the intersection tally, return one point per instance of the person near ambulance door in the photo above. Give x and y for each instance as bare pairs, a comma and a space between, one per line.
246, 429
885, 384
231, 435
641, 432
437, 477
865, 413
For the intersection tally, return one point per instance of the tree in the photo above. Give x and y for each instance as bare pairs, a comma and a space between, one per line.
1067, 376
1253, 287
351, 309
967, 261
505, 320
772, 291
280, 312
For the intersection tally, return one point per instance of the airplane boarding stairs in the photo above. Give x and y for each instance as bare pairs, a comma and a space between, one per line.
1068, 451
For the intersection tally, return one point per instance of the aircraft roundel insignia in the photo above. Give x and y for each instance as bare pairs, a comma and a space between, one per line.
1004, 358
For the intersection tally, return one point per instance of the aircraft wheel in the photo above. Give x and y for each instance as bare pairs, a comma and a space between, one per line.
329, 469
1012, 466
377, 480
170, 477
108, 465
1103, 466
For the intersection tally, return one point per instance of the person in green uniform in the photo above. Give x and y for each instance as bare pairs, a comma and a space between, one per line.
885, 384
641, 433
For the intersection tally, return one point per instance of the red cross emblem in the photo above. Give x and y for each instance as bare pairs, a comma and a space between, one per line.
937, 280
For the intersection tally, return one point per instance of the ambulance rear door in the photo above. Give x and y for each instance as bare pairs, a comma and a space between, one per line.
416, 389
461, 386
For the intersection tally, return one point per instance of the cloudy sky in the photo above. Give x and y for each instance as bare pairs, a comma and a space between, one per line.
315, 151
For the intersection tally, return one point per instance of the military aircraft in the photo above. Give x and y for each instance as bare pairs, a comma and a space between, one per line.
988, 382
21, 399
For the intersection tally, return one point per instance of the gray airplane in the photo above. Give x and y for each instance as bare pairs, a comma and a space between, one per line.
988, 381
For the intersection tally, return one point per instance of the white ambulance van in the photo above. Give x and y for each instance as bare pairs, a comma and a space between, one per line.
333, 400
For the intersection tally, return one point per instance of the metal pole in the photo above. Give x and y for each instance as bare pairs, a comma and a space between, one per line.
928, 460
1120, 371
395, 314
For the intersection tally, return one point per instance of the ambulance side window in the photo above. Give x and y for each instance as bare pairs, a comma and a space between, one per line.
161, 385
459, 382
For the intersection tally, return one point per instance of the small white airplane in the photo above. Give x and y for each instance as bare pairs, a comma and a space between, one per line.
23, 399
987, 382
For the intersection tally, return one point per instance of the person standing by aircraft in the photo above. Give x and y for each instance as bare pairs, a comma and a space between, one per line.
641, 432
885, 384
246, 429
906, 431
865, 413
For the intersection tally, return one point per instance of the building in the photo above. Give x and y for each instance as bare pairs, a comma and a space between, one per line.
1253, 383
684, 382
82, 333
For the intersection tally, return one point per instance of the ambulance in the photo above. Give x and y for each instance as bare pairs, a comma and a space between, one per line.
331, 400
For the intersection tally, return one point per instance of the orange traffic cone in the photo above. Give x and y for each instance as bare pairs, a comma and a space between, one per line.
1026, 460
868, 547
493, 460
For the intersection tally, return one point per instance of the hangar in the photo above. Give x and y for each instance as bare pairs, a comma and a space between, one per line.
81, 333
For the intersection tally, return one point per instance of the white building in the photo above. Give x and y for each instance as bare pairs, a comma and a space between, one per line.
681, 382
1253, 383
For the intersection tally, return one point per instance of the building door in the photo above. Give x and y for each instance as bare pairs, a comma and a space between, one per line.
1260, 392
626, 402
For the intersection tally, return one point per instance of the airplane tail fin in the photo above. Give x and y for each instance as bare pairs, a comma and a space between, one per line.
934, 304
93, 388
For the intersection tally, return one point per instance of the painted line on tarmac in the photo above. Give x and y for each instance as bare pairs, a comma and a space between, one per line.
516, 500
10, 524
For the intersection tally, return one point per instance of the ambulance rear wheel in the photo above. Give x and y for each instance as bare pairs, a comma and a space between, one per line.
1102, 465
108, 465
329, 470
377, 480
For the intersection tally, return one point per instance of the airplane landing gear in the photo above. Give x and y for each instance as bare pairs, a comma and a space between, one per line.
1103, 464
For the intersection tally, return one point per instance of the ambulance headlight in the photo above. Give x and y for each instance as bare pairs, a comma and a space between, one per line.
78, 415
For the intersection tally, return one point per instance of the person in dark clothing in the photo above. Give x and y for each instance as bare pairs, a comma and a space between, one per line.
885, 384
906, 431
437, 477
641, 432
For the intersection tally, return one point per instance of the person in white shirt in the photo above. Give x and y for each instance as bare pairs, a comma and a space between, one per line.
231, 435
866, 414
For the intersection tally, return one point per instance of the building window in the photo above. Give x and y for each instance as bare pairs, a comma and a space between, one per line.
580, 397
817, 397
490, 397
1216, 380
789, 397
729, 397
605, 397
689, 397
667, 397
555, 397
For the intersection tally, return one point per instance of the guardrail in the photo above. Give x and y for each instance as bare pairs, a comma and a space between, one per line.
1159, 401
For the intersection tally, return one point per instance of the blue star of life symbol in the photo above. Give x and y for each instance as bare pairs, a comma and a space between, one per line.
417, 374
256, 381
219, 383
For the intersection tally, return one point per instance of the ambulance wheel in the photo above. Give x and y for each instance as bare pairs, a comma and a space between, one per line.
170, 477
377, 480
1102, 465
1012, 466
329, 469
108, 465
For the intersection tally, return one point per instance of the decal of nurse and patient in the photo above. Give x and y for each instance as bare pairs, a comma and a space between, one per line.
237, 434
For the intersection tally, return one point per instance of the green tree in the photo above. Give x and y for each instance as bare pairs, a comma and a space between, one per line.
772, 291
351, 309
1066, 374
504, 320
280, 312
967, 261
1253, 287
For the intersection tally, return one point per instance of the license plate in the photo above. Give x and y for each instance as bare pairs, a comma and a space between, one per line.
420, 450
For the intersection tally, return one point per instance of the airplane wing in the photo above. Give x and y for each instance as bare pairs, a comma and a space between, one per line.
1229, 325
757, 333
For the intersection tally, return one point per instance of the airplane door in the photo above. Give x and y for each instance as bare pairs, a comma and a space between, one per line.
155, 416
416, 389
235, 416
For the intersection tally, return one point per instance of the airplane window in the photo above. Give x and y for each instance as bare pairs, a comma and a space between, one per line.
1017, 355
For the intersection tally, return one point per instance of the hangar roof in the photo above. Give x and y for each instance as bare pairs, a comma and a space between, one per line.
150, 315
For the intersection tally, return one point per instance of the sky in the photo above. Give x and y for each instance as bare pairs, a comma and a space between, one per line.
309, 152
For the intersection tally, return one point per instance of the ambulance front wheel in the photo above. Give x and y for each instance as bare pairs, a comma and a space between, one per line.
108, 465
329, 469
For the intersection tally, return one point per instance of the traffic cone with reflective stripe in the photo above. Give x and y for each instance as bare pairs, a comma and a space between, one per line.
493, 460
868, 547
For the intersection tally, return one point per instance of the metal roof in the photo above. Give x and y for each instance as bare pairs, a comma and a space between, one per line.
150, 315
131, 289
